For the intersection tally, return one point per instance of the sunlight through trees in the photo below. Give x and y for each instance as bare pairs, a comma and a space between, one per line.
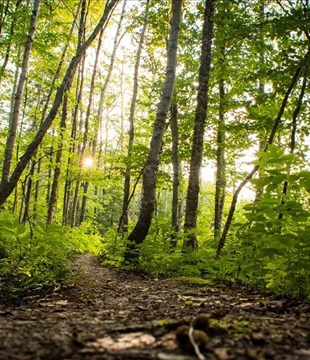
175, 131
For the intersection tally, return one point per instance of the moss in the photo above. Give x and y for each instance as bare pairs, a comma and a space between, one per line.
195, 280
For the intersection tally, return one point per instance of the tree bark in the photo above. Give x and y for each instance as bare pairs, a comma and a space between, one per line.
220, 183
78, 114
190, 223
14, 117
12, 29
143, 224
176, 169
261, 88
293, 137
55, 185
6, 190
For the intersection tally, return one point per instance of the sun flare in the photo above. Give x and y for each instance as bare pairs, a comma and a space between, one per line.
88, 162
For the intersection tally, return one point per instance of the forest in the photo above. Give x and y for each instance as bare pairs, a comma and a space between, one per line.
167, 136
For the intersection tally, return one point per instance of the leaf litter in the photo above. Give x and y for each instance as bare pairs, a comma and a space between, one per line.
107, 313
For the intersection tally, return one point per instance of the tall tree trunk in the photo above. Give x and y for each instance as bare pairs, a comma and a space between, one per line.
81, 8
261, 147
301, 66
176, 169
11, 34
12, 29
16, 77
51, 90
74, 131
123, 224
14, 117
27, 195
220, 183
78, 113
122, 109
117, 40
4, 10
32, 165
25, 158
190, 223
55, 185
86, 128
50, 156
261, 88
143, 224
293, 136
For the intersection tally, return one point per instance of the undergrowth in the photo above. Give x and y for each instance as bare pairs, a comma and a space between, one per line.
35, 255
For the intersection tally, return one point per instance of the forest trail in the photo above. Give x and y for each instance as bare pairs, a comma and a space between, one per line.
107, 313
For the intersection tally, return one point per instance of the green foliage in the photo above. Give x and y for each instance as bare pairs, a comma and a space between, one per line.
268, 244
113, 247
40, 255
274, 240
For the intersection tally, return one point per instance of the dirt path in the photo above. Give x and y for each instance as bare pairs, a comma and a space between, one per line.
105, 313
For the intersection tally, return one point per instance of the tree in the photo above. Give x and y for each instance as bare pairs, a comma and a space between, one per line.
10, 184
14, 118
123, 223
176, 172
300, 68
190, 222
143, 224
220, 182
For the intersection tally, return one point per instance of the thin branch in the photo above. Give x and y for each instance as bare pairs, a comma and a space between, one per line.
200, 356
129, 199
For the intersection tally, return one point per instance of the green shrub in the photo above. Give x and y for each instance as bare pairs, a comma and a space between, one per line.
41, 254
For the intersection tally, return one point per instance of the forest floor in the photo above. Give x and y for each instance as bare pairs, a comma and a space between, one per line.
107, 313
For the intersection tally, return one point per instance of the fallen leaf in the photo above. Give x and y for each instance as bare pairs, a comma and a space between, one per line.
223, 354
124, 342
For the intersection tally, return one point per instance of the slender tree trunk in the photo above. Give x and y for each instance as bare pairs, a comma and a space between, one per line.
51, 90
32, 164
143, 224
293, 136
5, 191
75, 204
74, 131
27, 195
55, 185
117, 40
261, 89
86, 128
190, 223
4, 10
37, 188
78, 114
176, 169
12, 29
50, 157
123, 224
273, 132
16, 77
261, 147
220, 183
122, 109
14, 118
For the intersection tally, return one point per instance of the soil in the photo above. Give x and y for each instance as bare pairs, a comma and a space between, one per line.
107, 313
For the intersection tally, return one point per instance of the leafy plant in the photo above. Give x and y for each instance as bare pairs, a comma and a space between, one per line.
276, 233
40, 254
